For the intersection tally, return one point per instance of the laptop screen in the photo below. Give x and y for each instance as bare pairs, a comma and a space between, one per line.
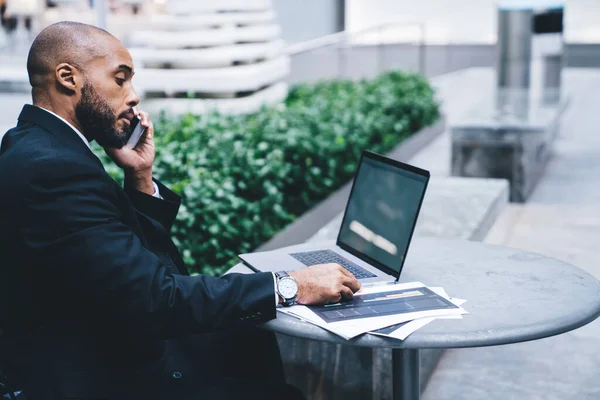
382, 211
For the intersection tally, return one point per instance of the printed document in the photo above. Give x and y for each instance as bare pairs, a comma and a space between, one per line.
377, 307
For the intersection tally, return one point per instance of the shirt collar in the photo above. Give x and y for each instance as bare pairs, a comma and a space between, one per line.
72, 127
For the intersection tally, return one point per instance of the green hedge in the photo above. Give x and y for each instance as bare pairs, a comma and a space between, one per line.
244, 178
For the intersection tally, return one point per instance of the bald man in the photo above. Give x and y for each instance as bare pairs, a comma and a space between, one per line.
95, 301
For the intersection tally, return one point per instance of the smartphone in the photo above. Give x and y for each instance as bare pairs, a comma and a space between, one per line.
137, 130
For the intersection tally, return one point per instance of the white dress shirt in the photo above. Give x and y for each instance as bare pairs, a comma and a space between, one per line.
156, 191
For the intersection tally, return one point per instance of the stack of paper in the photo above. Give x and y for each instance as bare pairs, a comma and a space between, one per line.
389, 310
403, 330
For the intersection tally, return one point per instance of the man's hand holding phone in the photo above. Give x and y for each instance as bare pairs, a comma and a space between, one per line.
136, 160
137, 130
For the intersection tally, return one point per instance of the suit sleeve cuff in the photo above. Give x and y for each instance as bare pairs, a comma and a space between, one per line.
163, 209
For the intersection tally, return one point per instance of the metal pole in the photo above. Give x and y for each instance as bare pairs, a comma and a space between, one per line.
342, 70
405, 372
380, 61
100, 6
514, 47
422, 50
341, 16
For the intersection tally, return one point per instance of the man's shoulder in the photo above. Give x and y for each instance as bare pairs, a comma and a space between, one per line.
31, 154
27, 145
30, 147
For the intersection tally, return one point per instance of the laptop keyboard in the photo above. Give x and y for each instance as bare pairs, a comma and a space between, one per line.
327, 256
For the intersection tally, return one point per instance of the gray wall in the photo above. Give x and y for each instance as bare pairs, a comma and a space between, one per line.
308, 19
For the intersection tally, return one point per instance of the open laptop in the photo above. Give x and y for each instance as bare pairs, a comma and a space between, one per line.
376, 230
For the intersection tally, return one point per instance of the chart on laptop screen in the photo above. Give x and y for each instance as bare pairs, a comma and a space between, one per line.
382, 304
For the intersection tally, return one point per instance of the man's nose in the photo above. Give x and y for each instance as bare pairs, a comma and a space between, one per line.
133, 99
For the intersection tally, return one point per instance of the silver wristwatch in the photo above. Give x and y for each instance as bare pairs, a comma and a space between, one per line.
287, 288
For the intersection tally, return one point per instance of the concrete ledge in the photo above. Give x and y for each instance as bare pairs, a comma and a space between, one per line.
186, 7
204, 37
457, 208
220, 56
188, 22
509, 135
241, 105
213, 80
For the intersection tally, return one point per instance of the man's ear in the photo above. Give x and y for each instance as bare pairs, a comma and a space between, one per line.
68, 77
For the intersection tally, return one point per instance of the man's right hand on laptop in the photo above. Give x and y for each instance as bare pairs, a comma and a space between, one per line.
324, 284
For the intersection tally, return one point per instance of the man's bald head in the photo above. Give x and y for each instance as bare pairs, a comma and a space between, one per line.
64, 42
84, 75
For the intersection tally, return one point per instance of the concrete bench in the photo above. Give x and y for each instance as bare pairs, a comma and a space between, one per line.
453, 208
508, 135
210, 57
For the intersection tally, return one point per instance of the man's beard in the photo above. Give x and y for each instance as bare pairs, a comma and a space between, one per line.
98, 120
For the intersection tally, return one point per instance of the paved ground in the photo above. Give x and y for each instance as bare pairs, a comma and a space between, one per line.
562, 219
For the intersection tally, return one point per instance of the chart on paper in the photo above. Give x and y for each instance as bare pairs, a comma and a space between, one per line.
382, 304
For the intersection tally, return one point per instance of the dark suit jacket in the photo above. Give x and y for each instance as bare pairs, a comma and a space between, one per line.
95, 299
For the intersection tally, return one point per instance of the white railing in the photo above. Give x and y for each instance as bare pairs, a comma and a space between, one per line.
348, 36
374, 42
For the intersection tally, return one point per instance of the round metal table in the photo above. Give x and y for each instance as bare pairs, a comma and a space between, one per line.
513, 296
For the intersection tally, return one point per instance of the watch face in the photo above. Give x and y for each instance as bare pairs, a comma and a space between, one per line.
287, 287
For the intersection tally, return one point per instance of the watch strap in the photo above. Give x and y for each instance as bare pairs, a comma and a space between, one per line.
287, 302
